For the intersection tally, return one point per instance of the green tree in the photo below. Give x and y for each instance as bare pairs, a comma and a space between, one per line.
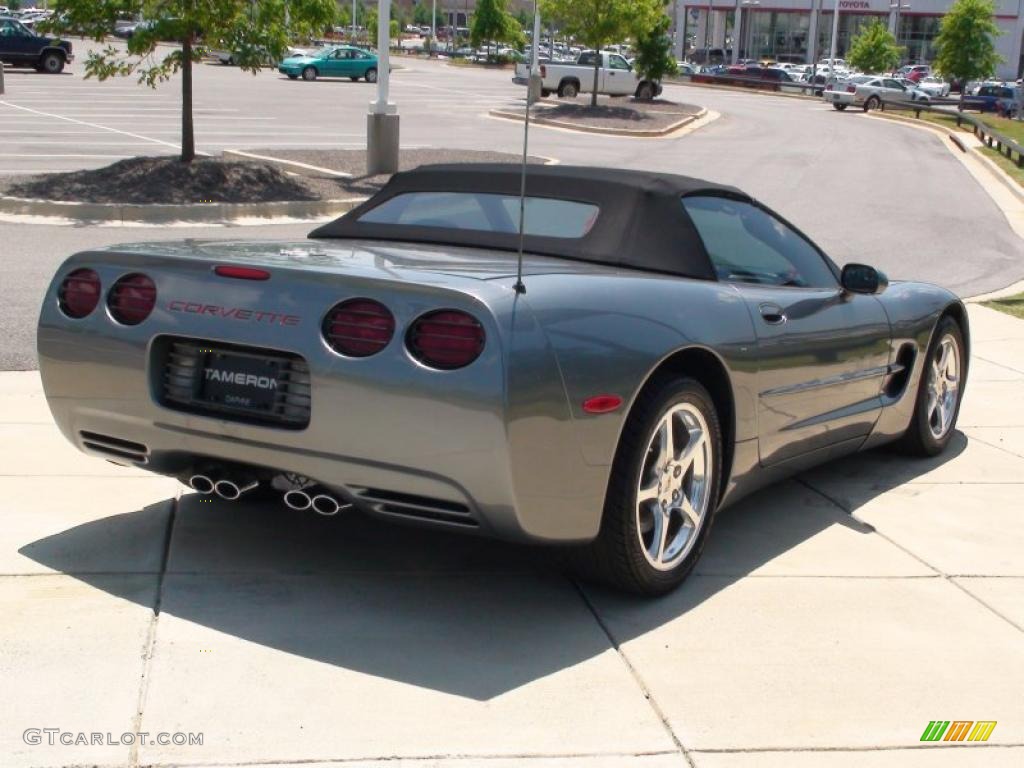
965, 45
493, 22
874, 49
253, 30
653, 45
421, 14
595, 23
371, 26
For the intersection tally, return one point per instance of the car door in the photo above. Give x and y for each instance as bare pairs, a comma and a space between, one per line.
334, 63
620, 80
823, 353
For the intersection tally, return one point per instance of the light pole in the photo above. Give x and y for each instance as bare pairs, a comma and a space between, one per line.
750, 24
897, 7
382, 120
353, 21
433, 27
835, 36
814, 44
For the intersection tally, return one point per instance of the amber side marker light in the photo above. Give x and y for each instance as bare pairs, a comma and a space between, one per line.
602, 403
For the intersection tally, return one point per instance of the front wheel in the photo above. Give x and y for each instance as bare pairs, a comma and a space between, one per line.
939, 393
309, 74
371, 75
52, 64
839, 107
662, 493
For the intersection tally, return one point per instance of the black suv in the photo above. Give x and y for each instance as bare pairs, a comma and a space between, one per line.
21, 47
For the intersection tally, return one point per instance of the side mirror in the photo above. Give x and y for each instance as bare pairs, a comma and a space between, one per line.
860, 278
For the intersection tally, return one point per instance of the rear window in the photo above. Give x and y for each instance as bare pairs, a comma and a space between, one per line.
545, 216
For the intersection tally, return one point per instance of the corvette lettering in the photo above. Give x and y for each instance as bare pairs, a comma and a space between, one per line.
234, 313
242, 379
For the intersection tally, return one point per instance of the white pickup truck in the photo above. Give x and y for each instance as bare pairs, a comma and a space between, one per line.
615, 77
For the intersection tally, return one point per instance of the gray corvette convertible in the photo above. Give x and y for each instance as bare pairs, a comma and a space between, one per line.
672, 346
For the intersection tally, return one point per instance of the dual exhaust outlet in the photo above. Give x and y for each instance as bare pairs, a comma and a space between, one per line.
299, 499
231, 490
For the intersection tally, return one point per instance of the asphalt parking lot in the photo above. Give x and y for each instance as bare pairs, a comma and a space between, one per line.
831, 619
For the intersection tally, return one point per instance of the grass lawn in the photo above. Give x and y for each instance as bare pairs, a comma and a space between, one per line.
1011, 305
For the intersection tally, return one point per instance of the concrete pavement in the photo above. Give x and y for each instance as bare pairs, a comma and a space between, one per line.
832, 617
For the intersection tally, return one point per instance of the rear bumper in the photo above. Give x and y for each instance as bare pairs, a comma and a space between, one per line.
449, 449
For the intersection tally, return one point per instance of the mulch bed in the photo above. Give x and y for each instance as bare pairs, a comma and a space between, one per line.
621, 113
166, 180
227, 179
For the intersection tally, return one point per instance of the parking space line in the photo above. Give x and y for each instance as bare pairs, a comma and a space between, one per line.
91, 125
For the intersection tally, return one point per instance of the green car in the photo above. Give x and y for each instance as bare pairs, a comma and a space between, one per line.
333, 61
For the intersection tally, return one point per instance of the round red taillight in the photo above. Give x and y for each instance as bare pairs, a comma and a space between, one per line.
79, 293
446, 339
131, 299
358, 327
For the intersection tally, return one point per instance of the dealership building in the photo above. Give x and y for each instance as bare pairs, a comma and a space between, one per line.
785, 29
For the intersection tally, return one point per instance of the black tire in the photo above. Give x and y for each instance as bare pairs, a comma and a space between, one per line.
354, 78
839, 107
544, 93
371, 75
309, 74
645, 91
919, 439
568, 90
52, 63
873, 102
293, 77
617, 556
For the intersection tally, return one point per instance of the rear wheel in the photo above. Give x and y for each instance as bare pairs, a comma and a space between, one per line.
645, 91
51, 63
839, 107
939, 393
568, 90
371, 75
309, 74
663, 491
873, 102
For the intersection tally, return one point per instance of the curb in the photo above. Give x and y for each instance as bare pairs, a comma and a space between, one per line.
199, 213
636, 134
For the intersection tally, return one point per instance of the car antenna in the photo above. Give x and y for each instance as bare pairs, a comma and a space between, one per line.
532, 91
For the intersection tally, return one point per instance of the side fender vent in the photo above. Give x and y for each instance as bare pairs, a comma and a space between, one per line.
899, 372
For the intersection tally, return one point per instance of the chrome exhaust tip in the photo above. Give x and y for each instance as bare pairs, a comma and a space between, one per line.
326, 505
233, 491
298, 500
203, 484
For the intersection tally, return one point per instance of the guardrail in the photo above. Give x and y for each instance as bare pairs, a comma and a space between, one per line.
993, 139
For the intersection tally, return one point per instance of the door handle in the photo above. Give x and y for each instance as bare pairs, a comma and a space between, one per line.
772, 314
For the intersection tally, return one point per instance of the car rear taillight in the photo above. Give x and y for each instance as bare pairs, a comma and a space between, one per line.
851, 89
543, 71
358, 327
446, 339
828, 87
79, 293
131, 299
241, 273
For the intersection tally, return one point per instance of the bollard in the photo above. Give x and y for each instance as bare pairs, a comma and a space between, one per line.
1, 78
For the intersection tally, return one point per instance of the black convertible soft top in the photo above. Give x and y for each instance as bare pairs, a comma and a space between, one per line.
641, 224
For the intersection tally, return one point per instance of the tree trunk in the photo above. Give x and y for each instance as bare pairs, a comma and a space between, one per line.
597, 71
188, 139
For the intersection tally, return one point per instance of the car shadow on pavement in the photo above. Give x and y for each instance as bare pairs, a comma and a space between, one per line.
457, 614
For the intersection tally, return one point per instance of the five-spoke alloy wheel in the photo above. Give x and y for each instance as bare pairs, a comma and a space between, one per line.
672, 497
939, 392
663, 490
